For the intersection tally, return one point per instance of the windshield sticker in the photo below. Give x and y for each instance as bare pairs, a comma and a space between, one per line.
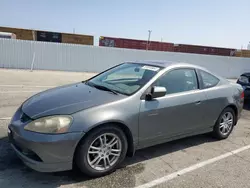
150, 68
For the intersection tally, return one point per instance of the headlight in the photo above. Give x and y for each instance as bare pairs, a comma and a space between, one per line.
244, 79
50, 124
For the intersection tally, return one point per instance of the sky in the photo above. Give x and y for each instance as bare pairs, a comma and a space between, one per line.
222, 23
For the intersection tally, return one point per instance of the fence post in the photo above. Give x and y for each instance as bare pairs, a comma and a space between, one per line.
33, 60
34, 55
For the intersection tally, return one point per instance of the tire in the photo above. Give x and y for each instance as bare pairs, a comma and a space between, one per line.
218, 128
84, 158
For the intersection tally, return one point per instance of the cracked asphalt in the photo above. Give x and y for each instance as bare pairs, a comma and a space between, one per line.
147, 165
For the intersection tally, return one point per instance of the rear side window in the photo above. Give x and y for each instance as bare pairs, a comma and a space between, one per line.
208, 80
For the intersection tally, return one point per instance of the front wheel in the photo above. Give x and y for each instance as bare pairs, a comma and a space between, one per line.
101, 151
224, 124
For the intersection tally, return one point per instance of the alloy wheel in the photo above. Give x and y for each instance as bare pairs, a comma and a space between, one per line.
104, 151
226, 123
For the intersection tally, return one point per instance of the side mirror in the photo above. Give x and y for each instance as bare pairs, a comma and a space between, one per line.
156, 92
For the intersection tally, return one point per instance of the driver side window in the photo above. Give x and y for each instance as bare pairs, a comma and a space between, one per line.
178, 80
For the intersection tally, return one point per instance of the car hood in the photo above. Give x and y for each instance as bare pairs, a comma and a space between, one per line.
66, 99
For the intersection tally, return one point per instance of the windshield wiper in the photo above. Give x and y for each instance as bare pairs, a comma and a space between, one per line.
102, 88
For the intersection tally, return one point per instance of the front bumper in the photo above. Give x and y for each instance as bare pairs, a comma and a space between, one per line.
44, 152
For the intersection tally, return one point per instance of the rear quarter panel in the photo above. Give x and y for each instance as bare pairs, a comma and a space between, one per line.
239, 101
218, 98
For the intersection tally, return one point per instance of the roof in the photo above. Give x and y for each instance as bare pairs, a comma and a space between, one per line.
157, 63
175, 64
166, 63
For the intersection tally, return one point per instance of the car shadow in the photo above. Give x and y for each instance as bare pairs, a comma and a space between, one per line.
169, 147
14, 173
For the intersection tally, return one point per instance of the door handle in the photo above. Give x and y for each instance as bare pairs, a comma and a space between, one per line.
197, 102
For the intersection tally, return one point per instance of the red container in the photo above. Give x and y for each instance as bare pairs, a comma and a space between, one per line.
203, 50
135, 44
163, 46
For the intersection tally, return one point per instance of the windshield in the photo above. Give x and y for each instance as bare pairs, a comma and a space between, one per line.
126, 78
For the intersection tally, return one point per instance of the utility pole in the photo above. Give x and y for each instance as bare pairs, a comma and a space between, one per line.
148, 43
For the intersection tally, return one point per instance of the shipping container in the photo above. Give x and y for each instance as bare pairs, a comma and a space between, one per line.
242, 53
23, 34
135, 44
48, 36
77, 39
26, 34
163, 46
208, 50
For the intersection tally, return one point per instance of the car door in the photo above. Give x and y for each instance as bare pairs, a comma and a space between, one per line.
179, 112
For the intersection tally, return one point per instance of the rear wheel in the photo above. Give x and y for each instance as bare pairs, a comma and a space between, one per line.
101, 151
224, 124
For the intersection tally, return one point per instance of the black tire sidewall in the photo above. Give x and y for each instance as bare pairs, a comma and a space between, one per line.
82, 150
216, 131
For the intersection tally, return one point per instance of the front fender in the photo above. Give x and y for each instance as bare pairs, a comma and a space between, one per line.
123, 112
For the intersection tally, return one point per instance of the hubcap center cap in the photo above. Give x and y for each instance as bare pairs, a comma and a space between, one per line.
105, 151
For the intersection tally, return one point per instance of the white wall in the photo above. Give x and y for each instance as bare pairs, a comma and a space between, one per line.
69, 57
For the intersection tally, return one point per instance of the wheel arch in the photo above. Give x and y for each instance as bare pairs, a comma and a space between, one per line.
235, 109
122, 126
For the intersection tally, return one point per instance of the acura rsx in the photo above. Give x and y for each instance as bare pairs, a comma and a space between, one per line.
96, 123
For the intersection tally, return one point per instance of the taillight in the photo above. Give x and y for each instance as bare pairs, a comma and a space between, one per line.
242, 95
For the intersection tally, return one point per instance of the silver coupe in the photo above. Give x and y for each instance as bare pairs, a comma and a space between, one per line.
96, 123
